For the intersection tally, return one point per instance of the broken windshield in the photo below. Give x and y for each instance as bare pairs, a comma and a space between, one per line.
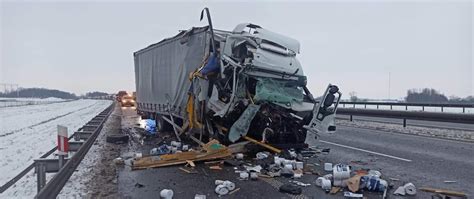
268, 89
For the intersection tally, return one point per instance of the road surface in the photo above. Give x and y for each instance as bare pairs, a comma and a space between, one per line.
424, 161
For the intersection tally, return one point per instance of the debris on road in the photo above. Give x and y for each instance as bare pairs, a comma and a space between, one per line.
117, 139
224, 187
410, 189
353, 195
200, 196
119, 161
291, 189
444, 192
166, 194
211, 150
138, 185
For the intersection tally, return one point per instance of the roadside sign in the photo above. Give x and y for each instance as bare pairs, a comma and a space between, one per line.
63, 143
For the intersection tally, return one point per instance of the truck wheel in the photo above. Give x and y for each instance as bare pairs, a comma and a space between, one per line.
162, 125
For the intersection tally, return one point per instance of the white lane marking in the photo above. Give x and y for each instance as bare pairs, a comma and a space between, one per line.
367, 151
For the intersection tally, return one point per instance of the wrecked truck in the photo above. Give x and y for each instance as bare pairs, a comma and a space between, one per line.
246, 83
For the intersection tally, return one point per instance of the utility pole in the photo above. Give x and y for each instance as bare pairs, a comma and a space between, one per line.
389, 85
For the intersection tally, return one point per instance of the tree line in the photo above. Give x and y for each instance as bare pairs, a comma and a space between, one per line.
46, 93
425, 95
430, 95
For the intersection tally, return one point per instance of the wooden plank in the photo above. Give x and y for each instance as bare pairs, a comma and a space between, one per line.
444, 191
213, 150
262, 144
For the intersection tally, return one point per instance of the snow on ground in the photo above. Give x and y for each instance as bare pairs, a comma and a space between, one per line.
415, 130
98, 157
9, 102
27, 132
412, 108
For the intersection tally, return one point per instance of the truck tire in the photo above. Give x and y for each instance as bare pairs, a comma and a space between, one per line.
162, 125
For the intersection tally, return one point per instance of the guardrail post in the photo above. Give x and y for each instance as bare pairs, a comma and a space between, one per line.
404, 122
463, 109
391, 107
40, 175
441, 109
365, 105
406, 108
344, 105
377, 106
354, 105
423, 108
350, 118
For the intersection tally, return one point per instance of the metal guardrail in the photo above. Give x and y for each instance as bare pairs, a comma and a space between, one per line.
406, 105
55, 185
412, 115
74, 146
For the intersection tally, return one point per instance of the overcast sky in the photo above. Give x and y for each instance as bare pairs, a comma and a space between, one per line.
87, 46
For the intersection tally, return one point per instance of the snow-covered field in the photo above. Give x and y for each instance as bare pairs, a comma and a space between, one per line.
27, 132
412, 108
8, 102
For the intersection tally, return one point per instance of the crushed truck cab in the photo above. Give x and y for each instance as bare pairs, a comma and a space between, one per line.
232, 85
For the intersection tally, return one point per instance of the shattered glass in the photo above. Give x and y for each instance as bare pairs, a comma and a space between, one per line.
276, 91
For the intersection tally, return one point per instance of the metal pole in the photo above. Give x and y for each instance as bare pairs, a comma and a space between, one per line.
61, 161
40, 175
350, 118
404, 122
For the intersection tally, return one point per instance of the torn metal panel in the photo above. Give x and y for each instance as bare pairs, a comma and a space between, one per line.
273, 61
241, 126
264, 34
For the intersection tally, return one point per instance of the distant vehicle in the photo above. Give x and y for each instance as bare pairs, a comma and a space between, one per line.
119, 95
127, 100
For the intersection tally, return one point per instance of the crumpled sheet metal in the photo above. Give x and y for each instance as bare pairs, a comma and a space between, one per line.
241, 126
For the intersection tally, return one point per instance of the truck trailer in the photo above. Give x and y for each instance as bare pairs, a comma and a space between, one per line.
206, 83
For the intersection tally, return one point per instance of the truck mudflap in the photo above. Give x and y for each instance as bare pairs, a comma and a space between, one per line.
324, 113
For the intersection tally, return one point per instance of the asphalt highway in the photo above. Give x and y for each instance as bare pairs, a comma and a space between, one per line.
424, 161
